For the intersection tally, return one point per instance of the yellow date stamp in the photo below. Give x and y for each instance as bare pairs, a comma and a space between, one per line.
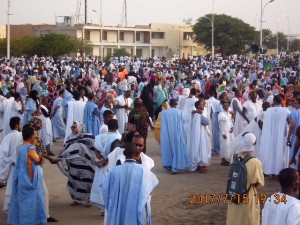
196, 199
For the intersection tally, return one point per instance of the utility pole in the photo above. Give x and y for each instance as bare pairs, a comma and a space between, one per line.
85, 12
8, 30
125, 6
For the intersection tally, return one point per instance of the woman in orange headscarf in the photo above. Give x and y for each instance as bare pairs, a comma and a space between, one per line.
156, 130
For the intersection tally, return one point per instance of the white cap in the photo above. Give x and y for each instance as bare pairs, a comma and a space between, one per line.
249, 141
270, 99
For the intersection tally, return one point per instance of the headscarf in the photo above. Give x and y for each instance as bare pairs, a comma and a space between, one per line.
36, 123
80, 126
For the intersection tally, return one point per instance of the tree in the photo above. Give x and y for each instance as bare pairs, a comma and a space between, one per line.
231, 34
295, 45
118, 52
83, 46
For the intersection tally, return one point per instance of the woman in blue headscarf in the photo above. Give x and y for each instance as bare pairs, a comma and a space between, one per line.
159, 99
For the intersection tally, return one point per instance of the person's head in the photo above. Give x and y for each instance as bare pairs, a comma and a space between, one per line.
289, 181
139, 142
277, 100
127, 94
109, 99
36, 123
29, 134
62, 93
131, 151
212, 92
225, 105
238, 93
200, 104
15, 123
223, 97
91, 97
107, 116
173, 103
266, 105
77, 127
248, 143
76, 95
113, 125
193, 92
17, 96
138, 102
82, 92
34, 94
253, 96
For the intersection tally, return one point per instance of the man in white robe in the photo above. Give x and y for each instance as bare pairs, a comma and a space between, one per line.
226, 133
211, 106
123, 105
104, 145
251, 108
8, 156
282, 208
274, 152
75, 113
236, 107
7, 110
200, 151
182, 98
189, 106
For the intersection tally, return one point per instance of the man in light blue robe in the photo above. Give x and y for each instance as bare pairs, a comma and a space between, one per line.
91, 117
68, 97
173, 139
294, 122
27, 197
126, 191
58, 125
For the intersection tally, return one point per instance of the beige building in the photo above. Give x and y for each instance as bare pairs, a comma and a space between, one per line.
2, 31
153, 40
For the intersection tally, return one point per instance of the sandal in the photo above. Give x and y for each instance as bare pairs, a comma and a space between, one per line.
75, 203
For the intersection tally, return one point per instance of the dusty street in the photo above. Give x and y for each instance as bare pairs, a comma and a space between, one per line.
170, 201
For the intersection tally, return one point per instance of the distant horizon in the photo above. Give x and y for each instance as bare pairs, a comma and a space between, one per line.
142, 12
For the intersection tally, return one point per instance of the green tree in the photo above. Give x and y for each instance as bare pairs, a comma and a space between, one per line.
83, 46
118, 52
295, 45
231, 34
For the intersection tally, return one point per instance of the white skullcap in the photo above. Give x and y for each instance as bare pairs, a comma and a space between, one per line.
186, 92
249, 141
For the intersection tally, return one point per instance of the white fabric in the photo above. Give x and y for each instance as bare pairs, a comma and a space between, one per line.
7, 105
283, 213
122, 114
189, 106
16, 106
253, 109
273, 149
225, 124
239, 120
211, 106
75, 113
200, 151
8, 156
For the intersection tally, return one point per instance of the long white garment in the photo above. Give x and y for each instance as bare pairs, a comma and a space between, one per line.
211, 106
239, 123
225, 124
253, 127
283, 213
253, 109
75, 113
122, 114
200, 150
8, 157
274, 152
189, 106
7, 105
46, 131
102, 144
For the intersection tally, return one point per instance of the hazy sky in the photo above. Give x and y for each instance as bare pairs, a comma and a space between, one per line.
164, 11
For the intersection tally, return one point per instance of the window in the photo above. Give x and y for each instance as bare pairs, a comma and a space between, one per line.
104, 35
188, 36
138, 36
158, 35
87, 35
121, 36
109, 51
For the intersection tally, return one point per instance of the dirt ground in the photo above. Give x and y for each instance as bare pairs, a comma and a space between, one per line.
170, 200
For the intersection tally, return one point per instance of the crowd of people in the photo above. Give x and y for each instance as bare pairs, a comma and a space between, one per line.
196, 107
